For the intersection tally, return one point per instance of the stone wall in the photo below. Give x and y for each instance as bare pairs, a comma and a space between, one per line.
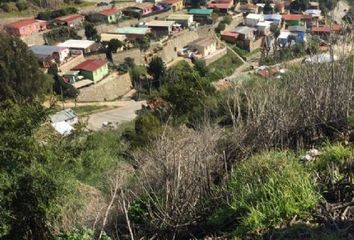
111, 88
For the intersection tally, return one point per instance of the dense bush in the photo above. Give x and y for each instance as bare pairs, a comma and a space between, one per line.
267, 190
60, 35
49, 15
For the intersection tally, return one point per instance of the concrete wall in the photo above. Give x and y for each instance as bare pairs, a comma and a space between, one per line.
70, 64
111, 88
216, 56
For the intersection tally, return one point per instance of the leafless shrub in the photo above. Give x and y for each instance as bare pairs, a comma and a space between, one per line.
176, 174
310, 102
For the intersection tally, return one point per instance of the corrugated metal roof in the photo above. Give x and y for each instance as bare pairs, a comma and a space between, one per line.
21, 23
90, 65
179, 17
109, 11
46, 49
158, 23
69, 18
200, 11
132, 30
63, 115
78, 44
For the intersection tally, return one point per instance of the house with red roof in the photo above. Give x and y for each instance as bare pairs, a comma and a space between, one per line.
93, 69
73, 20
110, 15
324, 31
176, 5
221, 5
25, 27
293, 20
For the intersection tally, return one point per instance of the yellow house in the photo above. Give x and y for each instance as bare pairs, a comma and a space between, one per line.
176, 5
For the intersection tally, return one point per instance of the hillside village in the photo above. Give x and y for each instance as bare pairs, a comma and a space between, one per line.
176, 119
77, 45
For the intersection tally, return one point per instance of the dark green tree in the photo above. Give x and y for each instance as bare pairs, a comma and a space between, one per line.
20, 76
114, 45
91, 32
142, 43
200, 67
157, 69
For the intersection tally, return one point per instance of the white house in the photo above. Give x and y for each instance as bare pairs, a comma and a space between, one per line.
264, 27
205, 46
252, 19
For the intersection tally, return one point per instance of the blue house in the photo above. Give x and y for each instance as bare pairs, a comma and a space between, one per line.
299, 32
275, 19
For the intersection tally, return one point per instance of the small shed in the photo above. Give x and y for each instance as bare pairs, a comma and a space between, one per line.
185, 20
67, 115
205, 46
160, 27
85, 46
253, 19
93, 69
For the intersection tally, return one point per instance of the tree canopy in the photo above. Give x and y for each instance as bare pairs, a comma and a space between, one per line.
19, 71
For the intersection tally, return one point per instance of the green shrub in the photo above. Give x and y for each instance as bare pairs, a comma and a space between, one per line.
332, 155
22, 5
267, 190
9, 7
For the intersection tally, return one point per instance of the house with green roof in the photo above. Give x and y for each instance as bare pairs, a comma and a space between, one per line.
202, 15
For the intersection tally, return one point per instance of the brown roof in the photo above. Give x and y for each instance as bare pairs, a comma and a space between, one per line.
230, 34
21, 23
292, 17
90, 65
109, 11
327, 28
219, 5
69, 18
144, 5
171, 1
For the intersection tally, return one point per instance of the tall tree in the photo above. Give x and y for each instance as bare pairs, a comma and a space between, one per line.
20, 76
91, 32
157, 68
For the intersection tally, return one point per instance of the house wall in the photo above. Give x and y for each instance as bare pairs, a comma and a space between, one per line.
178, 6
25, 30
100, 73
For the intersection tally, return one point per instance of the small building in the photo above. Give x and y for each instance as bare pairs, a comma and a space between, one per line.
314, 5
93, 69
204, 46
245, 33
283, 38
110, 15
73, 21
263, 27
252, 19
292, 19
25, 27
275, 19
145, 7
202, 15
176, 5
230, 37
47, 55
161, 28
221, 5
324, 31
315, 13
72, 76
66, 115
185, 20
106, 37
62, 121
247, 8
298, 32
132, 33
85, 46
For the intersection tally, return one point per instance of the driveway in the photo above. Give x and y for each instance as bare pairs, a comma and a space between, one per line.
126, 112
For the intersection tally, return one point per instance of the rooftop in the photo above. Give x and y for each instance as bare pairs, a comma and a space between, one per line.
292, 17
297, 28
220, 5
200, 11
90, 65
171, 1
78, 44
229, 34
69, 18
109, 11
264, 24
22, 23
179, 17
159, 23
203, 42
46, 49
244, 29
106, 37
144, 5
63, 115
254, 16
272, 17
132, 30
327, 28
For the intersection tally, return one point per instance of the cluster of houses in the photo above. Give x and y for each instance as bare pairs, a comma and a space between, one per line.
260, 23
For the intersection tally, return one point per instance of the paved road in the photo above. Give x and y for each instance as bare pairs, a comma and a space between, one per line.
116, 116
